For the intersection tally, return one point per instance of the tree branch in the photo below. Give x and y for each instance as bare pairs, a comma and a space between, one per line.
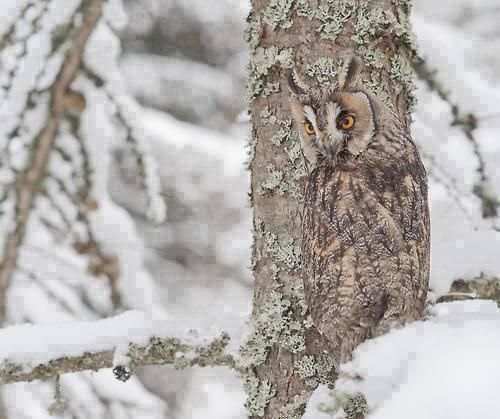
28, 183
96, 345
468, 123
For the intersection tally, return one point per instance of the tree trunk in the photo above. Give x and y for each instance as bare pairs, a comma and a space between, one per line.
288, 356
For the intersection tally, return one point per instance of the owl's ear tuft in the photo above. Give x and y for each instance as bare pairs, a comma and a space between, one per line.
351, 73
296, 84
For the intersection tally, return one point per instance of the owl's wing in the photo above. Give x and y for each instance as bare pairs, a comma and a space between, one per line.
361, 254
347, 214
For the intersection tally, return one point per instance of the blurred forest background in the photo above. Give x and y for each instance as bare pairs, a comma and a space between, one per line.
185, 61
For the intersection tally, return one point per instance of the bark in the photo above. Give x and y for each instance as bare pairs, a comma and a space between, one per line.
289, 358
28, 183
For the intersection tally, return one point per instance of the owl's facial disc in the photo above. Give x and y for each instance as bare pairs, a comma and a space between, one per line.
328, 128
328, 125
347, 122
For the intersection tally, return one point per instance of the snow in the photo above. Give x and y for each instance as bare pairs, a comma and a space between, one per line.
36, 344
445, 367
192, 272
210, 95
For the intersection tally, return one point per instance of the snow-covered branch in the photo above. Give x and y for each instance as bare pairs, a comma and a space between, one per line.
468, 123
29, 178
126, 341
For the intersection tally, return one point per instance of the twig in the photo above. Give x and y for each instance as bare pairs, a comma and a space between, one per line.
158, 351
468, 123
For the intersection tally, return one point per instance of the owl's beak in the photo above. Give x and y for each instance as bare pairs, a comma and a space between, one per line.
334, 146
334, 139
332, 151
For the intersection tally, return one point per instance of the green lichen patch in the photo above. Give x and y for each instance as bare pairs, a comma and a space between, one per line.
277, 14
323, 70
294, 151
10, 368
180, 355
293, 340
315, 370
405, 3
278, 181
402, 73
369, 21
267, 117
324, 368
356, 407
333, 17
345, 406
377, 89
250, 149
253, 30
306, 366
275, 182
297, 294
273, 324
295, 408
372, 56
268, 324
303, 9
286, 254
284, 134
261, 63
258, 226
275, 269
373, 22
258, 395
270, 88
482, 287
404, 31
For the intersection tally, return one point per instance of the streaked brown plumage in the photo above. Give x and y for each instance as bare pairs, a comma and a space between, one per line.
365, 229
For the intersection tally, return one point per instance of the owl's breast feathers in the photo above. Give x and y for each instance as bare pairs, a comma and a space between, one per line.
365, 246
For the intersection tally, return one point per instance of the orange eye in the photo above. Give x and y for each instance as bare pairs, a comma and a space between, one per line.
309, 128
347, 122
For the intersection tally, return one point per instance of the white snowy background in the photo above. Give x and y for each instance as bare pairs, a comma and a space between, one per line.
184, 62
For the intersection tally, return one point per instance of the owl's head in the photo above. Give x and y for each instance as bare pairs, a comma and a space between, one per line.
337, 118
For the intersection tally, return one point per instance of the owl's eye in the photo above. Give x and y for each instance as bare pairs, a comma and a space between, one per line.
347, 122
309, 128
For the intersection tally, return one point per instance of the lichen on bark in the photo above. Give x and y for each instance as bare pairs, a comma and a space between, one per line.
278, 13
261, 62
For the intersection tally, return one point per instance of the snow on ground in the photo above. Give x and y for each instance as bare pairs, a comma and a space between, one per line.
445, 367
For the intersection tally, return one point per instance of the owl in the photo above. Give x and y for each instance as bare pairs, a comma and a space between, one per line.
365, 221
